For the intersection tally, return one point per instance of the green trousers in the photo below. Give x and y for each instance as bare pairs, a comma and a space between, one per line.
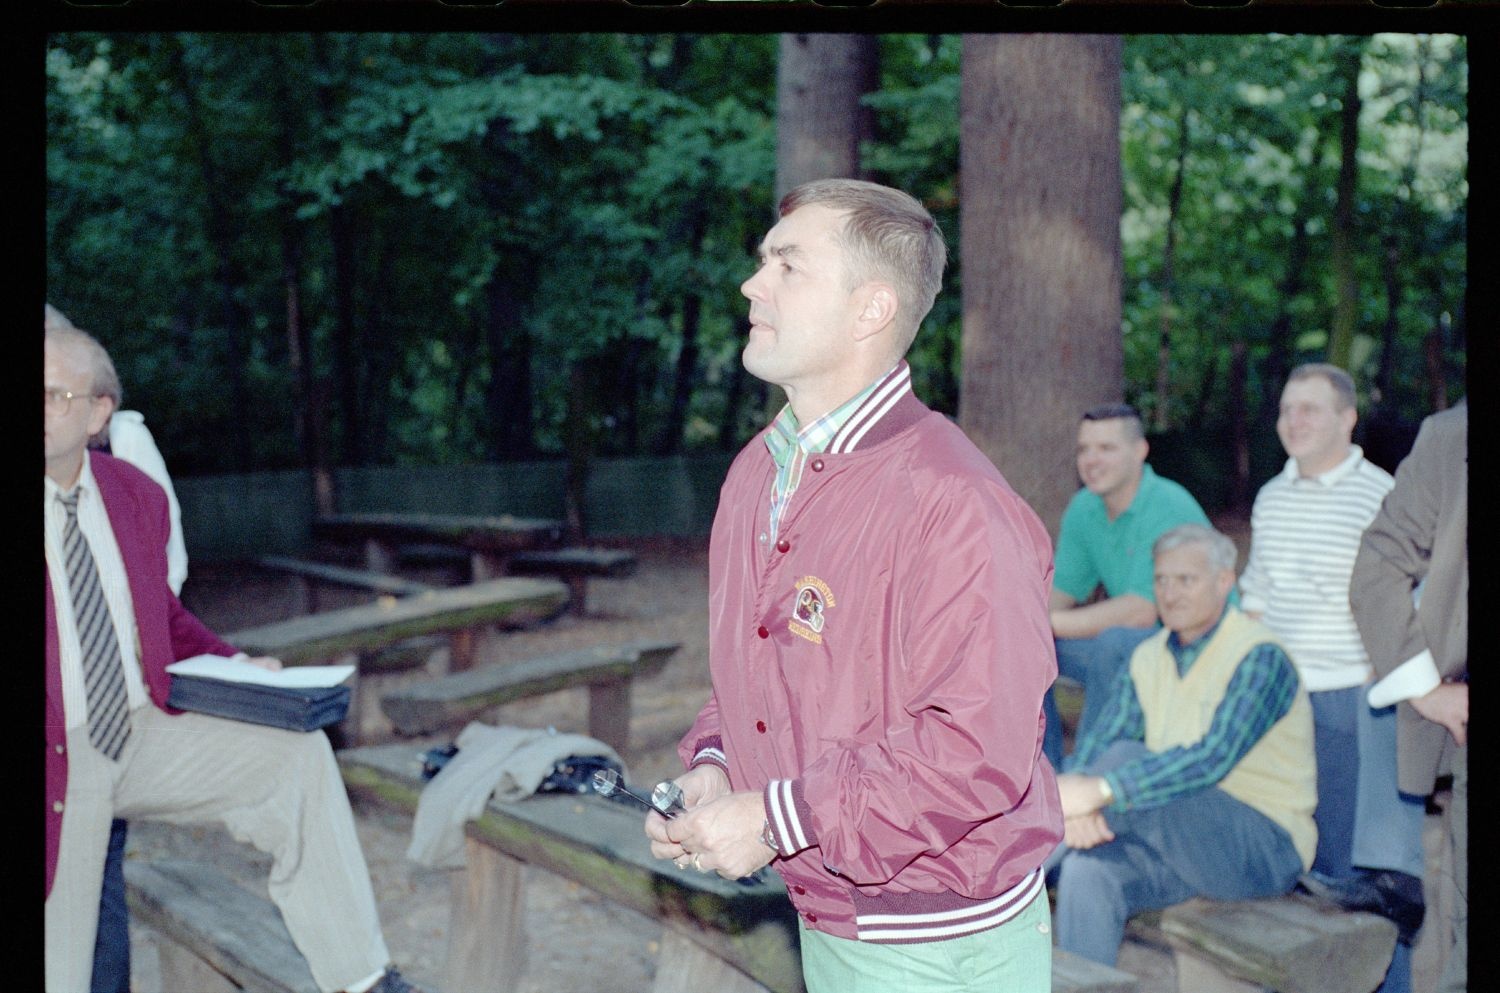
1015, 957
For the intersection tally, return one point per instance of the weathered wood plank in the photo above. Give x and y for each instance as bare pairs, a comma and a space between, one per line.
336, 575
601, 845
498, 533
235, 932
611, 562
1290, 944
370, 626
419, 708
492, 890
1075, 974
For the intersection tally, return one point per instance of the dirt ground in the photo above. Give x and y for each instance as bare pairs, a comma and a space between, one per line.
579, 943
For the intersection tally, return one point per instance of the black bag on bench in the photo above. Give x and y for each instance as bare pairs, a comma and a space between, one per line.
295, 708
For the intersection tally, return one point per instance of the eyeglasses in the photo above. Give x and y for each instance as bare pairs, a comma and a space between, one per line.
59, 402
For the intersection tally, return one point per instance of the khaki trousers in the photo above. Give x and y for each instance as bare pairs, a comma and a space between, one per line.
277, 790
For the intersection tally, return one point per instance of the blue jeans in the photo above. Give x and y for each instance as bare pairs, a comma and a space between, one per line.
1363, 820
1094, 662
1206, 844
112, 943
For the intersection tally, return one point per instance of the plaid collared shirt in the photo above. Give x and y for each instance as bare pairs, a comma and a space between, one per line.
790, 446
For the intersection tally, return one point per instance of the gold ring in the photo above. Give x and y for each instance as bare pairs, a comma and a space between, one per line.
696, 856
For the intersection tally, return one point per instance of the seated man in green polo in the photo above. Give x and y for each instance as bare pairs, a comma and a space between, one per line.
1106, 537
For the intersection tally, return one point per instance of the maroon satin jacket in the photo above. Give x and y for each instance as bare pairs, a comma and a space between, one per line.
878, 673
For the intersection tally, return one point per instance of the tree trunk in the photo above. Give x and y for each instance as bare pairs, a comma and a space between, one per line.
687, 356
227, 274
1279, 349
1239, 428
1040, 225
819, 119
1161, 414
346, 357
508, 396
307, 405
1346, 304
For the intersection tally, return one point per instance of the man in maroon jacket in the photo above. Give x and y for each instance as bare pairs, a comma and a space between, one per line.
879, 639
113, 748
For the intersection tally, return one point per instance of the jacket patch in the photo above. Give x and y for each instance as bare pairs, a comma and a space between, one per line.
810, 609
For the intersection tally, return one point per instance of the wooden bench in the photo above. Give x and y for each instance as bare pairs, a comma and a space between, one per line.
607, 670
1289, 944
488, 540
368, 630
575, 566
311, 575
720, 935
213, 935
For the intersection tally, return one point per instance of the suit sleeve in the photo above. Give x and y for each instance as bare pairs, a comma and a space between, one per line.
1393, 558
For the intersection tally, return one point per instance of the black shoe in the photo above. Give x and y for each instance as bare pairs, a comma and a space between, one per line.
392, 982
1396, 896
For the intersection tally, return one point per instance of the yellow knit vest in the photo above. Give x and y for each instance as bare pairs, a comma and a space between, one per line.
1278, 776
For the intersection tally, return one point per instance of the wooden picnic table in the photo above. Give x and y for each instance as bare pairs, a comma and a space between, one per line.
489, 540
457, 612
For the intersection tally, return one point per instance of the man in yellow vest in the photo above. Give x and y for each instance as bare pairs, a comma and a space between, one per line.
1198, 777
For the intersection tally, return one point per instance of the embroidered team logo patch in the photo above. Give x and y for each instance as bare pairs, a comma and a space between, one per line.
810, 609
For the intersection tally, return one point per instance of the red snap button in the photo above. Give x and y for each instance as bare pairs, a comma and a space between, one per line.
783, 546
763, 632
812, 918
799, 890
760, 726
817, 465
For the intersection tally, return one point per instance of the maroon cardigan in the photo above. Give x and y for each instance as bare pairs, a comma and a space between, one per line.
138, 514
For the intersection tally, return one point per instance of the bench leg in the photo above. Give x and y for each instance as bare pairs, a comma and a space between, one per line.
609, 713
487, 922
379, 557
1194, 975
184, 972
687, 967
485, 565
578, 594
462, 650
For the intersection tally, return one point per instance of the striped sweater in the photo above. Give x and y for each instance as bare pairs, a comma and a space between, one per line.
1304, 535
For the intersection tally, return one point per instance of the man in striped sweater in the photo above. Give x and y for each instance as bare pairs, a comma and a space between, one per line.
1305, 532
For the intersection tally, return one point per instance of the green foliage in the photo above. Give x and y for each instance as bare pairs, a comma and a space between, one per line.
552, 202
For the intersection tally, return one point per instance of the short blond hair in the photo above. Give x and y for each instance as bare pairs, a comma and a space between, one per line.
887, 235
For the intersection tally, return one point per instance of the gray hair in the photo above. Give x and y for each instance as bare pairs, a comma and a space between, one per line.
887, 235
1222, 555
105, 382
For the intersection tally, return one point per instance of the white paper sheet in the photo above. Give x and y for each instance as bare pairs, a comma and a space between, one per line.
236, 671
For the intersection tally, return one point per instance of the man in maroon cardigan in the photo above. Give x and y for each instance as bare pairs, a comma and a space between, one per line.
106, 524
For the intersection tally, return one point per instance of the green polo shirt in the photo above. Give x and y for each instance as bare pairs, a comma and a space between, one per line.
1092, 549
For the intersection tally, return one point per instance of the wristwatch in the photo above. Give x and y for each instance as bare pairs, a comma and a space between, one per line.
768, 837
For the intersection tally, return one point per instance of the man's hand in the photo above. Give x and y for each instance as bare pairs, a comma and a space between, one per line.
700, 785
723, 835
1086, 831
1080, 794
720, 832
1447, 704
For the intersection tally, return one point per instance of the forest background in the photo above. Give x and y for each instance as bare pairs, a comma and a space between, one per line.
318, 250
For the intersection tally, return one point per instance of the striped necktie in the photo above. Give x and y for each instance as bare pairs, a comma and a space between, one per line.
103, 675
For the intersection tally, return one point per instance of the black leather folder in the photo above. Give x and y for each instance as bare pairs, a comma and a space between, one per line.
295, 708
